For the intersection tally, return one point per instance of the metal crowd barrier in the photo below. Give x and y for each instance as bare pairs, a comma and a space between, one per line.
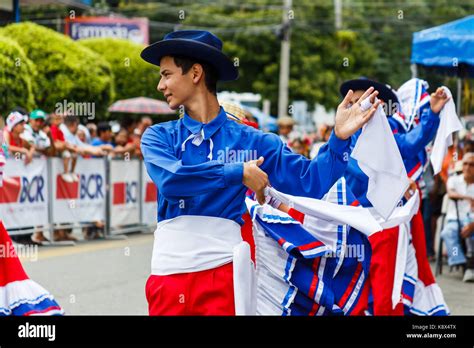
109, 230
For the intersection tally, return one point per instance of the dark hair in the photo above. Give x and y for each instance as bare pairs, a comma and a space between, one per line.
103, 127
128, 121
210, 73
20, 110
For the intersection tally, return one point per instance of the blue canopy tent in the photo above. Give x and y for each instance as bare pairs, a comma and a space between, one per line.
447, 48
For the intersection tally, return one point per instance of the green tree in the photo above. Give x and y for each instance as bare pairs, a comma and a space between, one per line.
66, 70
133, 77
17, 75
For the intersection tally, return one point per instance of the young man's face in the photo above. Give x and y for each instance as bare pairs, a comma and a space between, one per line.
106, 135
37, 124
121, 138
285, 129
81, 135
55, 119
176, 87
73, 127
19, 128
468, 169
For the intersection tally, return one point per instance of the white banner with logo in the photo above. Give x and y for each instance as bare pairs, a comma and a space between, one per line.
82, 200
149, 196
24, 195
124, 193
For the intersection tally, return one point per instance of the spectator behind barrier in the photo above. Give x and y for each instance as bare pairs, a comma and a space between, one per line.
67, 151
85, 131
123, 147
104, 137
460, 219
12, 135
92, 127
144, 123
70, 128
133, 142
300, 146
324, 133
285, 127
38, 133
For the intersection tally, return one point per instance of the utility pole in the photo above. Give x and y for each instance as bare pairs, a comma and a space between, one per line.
284, 61
338, 14
16, 11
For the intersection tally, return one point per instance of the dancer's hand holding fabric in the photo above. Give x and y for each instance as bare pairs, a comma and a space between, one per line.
255, 179
438, 100
350, 118
411, 190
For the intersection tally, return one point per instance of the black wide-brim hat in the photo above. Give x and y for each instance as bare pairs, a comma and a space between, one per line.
198, 44
362, 84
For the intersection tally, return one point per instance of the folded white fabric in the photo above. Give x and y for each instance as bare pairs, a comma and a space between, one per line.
357, 217
378, 157
400, 215
449, 123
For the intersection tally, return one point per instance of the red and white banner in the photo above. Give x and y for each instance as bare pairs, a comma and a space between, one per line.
24, 195
82, 200
124, 192
149, 197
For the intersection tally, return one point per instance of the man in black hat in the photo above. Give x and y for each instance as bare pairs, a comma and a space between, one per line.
203, 165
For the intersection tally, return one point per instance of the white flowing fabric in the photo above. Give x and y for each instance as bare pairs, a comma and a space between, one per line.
400, 215
449, 123
357, 217
378, 157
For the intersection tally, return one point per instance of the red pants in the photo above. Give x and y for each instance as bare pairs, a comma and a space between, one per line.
209, 292
419, 243
382, 271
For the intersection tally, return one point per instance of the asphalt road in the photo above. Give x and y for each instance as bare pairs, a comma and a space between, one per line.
108, 277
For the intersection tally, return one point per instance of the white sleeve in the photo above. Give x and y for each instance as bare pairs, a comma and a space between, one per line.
27, 136
453, 183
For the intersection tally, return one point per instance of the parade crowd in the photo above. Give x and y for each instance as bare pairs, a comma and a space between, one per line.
38, 134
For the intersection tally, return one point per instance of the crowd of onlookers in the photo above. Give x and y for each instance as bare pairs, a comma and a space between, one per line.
29, 134
66, 136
